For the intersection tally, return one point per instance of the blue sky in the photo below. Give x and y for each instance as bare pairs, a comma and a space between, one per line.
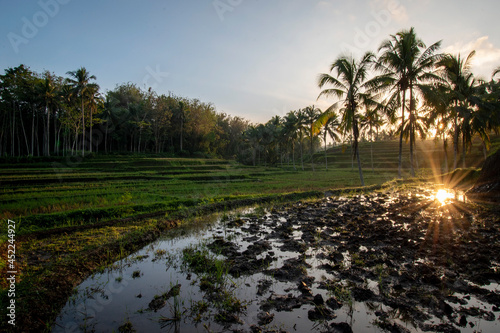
251, 58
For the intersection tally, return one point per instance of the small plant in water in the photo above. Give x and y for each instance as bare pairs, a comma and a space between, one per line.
127, 327
136, 274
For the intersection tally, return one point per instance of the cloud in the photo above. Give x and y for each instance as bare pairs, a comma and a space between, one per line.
487, 55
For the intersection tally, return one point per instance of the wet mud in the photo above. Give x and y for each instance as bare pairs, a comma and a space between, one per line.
406, 252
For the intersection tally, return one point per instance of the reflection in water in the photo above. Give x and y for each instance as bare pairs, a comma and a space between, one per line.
375, 260
446, 196
443, 196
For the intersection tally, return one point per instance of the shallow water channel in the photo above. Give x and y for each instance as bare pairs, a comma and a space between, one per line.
361, 264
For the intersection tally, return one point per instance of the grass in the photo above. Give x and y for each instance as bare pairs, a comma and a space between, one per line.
75, 217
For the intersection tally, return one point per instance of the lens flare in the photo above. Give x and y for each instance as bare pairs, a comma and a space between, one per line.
443, 196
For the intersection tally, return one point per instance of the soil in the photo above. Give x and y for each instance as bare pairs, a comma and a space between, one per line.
429, 259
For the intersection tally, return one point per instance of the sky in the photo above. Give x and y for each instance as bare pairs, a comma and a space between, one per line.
251, 58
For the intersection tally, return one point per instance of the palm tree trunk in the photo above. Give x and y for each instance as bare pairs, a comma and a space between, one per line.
106, 139
455, 140
301, 155
412, 134
182, 123
371, 153
33, 131
353, 154
400, 161
371, 147
312, 148
56, 148
356, 151
485, 150
326, 156
25, 136
90, 136
293, 155
412, 162
13, 138
463, 150
83, 129
445, 145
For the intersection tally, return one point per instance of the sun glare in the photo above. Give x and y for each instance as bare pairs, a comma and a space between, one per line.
443, 196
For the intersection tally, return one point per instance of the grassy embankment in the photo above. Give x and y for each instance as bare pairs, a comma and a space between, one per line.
75, 217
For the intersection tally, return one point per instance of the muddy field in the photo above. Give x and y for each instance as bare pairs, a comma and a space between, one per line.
381, 262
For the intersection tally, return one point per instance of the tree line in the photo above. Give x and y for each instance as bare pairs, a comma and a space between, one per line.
49, 115
408, 89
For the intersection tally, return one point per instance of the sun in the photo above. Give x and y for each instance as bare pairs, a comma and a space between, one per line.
443, 196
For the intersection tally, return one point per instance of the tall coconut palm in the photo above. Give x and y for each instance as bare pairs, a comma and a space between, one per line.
329, 122
349, 85
253, 135
49, 97
80, 80
438, 101
301, 128
290, 131
94, 101
458, 75
371, 120
416, 123
406, 65
311, 114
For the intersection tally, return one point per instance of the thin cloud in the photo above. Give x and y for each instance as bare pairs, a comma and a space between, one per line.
487, 55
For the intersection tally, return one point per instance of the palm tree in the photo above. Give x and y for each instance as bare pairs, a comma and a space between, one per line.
94, 101
290, 131
329, 122
253, 135
301, 127
438, 102
458, 76
110, 104
349, 86
80, 80
311, 114
415, 123
370, 120
49, 98
406, 65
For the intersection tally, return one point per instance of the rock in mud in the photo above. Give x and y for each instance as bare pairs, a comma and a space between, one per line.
159, 302
333, 303
257, 248
340, 328
393, 328
293, 269
265, 318
320, 312
283, 302
318, 299
362, 294
263, 286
